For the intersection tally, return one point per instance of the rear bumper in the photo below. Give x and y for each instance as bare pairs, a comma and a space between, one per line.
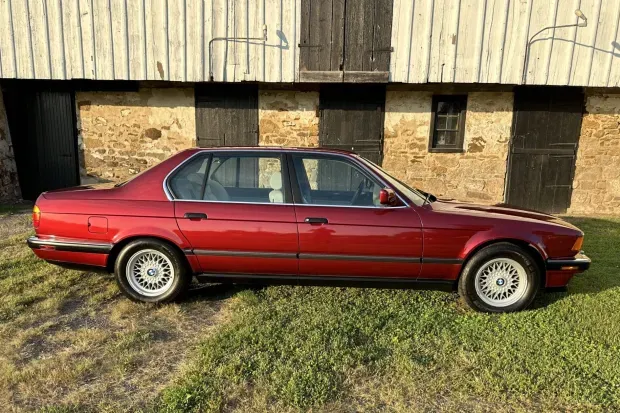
579, 263
69, 245
80, 253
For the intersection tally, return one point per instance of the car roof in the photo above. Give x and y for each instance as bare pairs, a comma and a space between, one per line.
273, 149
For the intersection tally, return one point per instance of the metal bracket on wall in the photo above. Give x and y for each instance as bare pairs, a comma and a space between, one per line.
309, 45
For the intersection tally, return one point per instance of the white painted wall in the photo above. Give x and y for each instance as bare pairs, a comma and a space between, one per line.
461, 41
148, 39
484, 41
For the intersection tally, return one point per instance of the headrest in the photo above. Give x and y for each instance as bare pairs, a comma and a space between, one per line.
275, 182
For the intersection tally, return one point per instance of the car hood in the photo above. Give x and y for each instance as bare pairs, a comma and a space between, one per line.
501, 211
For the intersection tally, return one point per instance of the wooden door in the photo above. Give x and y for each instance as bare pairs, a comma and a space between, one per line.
43, 130
345, 35
351, 118
227, 115
543, 149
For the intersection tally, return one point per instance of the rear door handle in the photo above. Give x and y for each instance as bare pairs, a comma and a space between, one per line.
197, 216
312, 220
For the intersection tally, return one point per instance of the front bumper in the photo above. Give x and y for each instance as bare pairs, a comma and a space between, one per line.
579, 263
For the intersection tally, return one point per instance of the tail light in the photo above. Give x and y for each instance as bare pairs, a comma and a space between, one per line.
578, 243
36, 216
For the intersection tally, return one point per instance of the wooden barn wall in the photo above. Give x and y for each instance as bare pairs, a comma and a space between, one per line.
484, 41
148, 39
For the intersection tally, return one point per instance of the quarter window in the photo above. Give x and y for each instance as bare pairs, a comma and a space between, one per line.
448, 123
231, 178
332, 181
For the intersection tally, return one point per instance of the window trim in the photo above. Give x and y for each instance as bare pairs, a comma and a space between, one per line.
298, 198
287, 156
460, 139
286, 188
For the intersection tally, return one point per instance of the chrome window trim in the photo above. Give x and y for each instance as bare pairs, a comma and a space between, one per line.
359, 164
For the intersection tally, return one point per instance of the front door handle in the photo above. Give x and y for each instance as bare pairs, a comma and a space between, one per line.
312, 220
195, 216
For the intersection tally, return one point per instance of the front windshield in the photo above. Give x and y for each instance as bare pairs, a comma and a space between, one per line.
417, 196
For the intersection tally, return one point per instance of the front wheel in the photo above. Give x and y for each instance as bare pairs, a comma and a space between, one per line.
499, 278
152, 271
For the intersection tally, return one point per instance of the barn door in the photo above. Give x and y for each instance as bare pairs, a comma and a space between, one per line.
227, 115
543, 149
351, 118
43, 130
345, 35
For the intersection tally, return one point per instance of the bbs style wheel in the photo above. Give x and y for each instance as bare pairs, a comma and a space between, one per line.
500, 278
152, 271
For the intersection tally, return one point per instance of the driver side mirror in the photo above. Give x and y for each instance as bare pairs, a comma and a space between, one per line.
387, 196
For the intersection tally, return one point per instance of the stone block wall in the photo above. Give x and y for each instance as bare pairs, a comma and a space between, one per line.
288, 118
478, 174
9, 185
596, 185
123, 133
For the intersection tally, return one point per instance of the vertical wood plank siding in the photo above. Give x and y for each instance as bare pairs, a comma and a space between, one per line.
485, 41
462, 41
148, 39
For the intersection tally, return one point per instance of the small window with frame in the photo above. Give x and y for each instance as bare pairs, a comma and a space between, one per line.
448, 123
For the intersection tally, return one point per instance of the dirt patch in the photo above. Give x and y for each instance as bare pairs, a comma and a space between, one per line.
69, 338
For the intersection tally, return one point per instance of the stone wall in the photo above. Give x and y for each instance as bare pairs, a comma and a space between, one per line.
9, 185
123, 133
288, 118
596, 185
477, 174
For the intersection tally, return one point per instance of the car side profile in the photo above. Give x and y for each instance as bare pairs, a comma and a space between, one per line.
301, 216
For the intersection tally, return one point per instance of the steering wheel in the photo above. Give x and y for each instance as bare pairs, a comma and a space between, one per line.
358, 192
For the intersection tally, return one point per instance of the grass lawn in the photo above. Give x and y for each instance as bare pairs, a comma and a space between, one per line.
68, 341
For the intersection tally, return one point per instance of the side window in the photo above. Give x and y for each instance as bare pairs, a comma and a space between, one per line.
332, 181
245, 178
448, 123
186, 183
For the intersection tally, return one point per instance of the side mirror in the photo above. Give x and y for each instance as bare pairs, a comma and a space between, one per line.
387, 196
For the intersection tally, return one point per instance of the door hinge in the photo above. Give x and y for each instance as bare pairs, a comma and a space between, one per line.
309, 45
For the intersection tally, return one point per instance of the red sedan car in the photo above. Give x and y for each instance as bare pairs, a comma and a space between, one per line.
300, 216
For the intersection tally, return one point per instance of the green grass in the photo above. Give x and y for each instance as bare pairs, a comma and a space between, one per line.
70, 342
343, 349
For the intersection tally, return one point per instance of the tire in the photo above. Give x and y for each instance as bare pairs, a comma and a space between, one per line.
151, 271
500, 278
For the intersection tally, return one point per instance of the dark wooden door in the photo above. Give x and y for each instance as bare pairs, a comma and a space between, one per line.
543, 149
227, 115
43, 130
351, 118
349, 35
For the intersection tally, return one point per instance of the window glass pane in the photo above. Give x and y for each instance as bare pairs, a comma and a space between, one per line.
450, 138
452, 123
330, 181
238, 178
451, 107
441, 122
186, 183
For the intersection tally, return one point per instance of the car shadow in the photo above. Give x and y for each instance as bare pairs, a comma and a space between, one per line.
216, 292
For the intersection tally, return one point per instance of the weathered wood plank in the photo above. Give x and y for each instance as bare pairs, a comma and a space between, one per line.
72, 39
193, 41
336, 56
382, 35
118, 19
7, 39
304, 35
373, 76
89, 57
320, 76
40, 40
176, 40
603, 47
160, 64
583, 52
57, 58
136, 30
103, 40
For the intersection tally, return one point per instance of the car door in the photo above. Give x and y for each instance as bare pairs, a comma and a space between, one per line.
234, 208
343, 229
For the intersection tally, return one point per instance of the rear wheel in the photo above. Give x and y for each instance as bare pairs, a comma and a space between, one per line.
152, 271
500, 278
